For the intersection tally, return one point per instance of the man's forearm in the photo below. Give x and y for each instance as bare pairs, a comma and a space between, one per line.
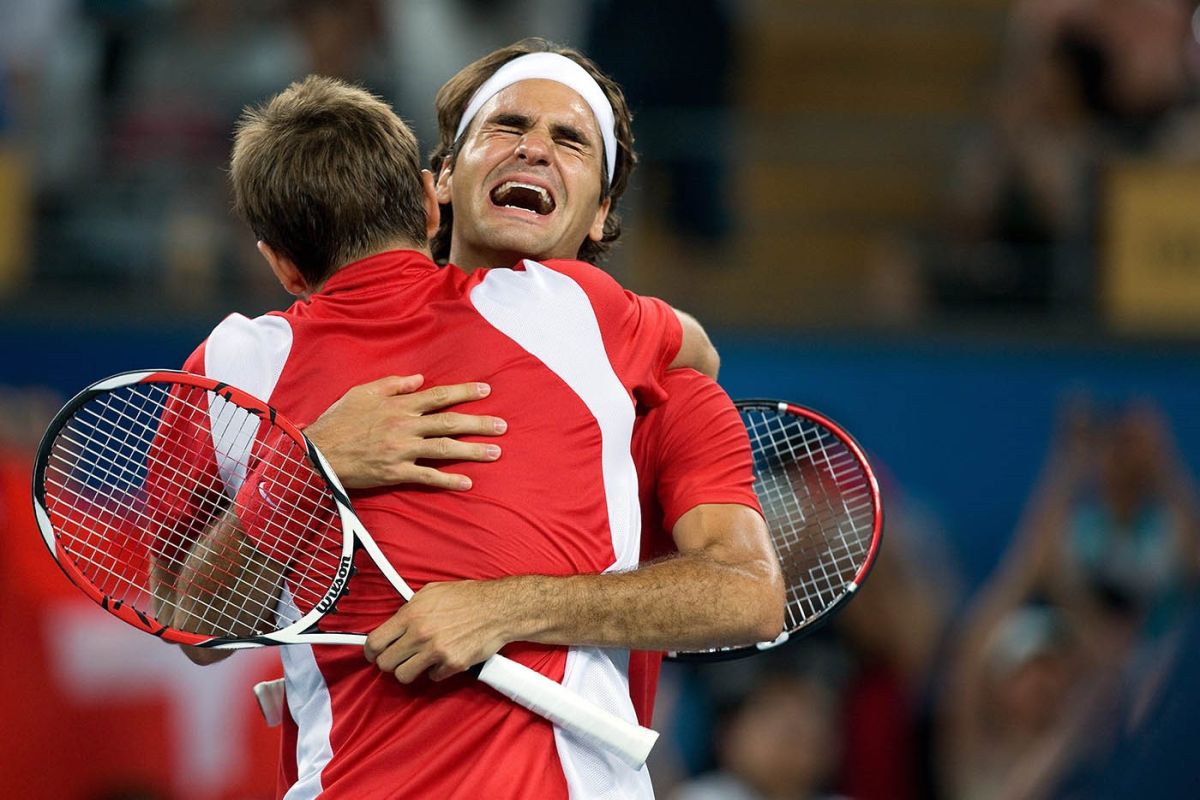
190, 592
226, 587
723, 589
685, 602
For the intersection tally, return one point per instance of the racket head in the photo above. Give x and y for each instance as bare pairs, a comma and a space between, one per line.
823, 509
141, 468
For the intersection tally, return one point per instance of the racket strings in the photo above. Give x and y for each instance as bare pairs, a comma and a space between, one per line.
223, 560
819, 506
116, 476
142, 480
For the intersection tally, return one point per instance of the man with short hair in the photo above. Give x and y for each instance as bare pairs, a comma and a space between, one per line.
327, 177
536, 149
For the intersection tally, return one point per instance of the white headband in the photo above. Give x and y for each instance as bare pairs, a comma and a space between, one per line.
550, 67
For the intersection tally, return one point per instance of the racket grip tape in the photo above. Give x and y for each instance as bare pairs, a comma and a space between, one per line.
566, 709
270, 697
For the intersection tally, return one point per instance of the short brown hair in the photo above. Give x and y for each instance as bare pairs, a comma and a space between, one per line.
452, 100
326, 173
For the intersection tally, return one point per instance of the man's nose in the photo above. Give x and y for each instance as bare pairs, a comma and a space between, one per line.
534, 148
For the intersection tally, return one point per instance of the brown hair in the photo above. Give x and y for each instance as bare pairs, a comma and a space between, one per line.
326, 173
452, 100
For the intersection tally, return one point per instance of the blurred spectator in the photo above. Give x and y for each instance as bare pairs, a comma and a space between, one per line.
892, 633
1129, 56
1066, 647
1021, 211
1118, 513
778, 743
1019, 686
345, 40
679, 88
28, 36
1084, 82
1157, 758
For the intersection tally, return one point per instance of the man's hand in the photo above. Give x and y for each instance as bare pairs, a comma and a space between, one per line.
374, 435
446, 628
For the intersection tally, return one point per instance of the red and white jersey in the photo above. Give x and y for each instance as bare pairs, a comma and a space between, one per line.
691, 450
569, 354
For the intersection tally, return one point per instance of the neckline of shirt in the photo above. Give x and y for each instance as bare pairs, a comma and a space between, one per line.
381, 269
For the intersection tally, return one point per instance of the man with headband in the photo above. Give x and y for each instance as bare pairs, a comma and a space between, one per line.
536, 148
328, 178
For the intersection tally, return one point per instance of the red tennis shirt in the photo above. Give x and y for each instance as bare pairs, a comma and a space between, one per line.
569, 356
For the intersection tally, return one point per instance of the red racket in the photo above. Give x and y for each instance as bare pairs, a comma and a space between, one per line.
822, 505
199, 514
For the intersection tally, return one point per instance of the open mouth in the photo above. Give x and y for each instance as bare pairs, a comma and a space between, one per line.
525, 196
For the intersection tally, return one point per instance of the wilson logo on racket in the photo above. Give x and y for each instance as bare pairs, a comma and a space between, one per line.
344, 571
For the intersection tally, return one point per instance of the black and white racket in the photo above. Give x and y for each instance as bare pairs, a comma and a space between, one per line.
823, 509
199, 514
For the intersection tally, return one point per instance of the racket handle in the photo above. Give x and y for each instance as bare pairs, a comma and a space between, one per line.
566, 709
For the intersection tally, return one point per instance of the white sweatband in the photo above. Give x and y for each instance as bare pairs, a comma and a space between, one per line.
550, 67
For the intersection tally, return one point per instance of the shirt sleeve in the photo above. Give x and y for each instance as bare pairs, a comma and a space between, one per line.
642, 335
704, 454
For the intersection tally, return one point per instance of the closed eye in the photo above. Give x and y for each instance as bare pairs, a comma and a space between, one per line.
515, 124
571, 137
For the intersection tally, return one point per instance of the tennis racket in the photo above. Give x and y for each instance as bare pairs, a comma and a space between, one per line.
822, 506
199, 514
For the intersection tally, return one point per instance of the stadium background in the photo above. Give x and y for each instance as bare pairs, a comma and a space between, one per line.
939, 221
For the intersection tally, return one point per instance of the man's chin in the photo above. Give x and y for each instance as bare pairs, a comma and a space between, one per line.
512, 246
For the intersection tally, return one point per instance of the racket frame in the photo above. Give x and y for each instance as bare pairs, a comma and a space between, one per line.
303, 630
814, 623
625, 739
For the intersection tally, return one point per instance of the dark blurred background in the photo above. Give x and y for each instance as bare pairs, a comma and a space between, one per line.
966, 229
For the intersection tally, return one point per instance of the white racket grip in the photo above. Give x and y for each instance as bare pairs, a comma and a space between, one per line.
270, 696
566, 709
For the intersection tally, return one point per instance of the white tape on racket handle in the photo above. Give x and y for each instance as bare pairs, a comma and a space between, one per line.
533, 690
270, 696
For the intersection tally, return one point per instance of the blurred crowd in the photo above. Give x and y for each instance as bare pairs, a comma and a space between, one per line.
1083, 85
115, 120
1032, 685
116, 116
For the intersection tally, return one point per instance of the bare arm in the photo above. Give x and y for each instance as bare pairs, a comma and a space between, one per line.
1157, 452
1033, 562
697, 350
723, 588
201, 600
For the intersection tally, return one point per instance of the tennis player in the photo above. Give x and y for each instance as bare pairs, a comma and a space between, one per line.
328, 178
536, 149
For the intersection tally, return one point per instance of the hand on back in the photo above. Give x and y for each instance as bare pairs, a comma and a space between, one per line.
377, 432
